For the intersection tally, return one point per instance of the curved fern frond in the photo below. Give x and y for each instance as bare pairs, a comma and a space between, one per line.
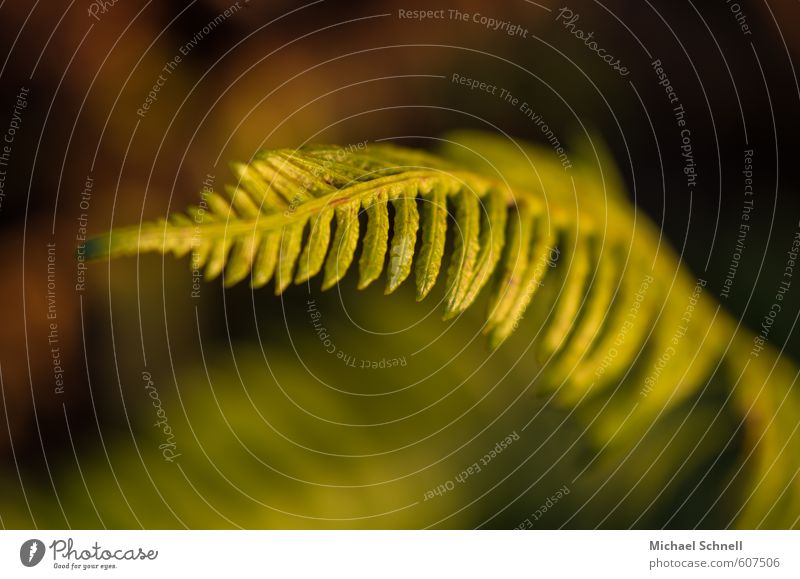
615, 307
276, 223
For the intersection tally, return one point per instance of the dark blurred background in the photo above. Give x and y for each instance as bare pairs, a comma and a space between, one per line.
262, 415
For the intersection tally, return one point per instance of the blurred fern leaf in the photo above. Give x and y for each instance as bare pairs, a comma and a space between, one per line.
617, 309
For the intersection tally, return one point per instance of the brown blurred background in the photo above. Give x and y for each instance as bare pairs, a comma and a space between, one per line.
275, 74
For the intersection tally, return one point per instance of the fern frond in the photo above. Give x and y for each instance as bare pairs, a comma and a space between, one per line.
616, 307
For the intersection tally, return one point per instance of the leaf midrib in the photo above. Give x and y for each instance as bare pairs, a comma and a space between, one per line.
235, 227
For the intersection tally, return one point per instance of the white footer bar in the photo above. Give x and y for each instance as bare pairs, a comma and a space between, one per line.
389, 554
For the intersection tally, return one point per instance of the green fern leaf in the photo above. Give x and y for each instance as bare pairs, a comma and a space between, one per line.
313, 255
344, 244
371, 262
462, 266
434, 230
616, 299
401, 254
291, 239
493, 233
266, 259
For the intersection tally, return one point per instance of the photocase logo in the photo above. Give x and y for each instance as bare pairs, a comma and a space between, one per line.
31, 552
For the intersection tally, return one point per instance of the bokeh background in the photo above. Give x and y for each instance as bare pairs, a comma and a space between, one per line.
272, 430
